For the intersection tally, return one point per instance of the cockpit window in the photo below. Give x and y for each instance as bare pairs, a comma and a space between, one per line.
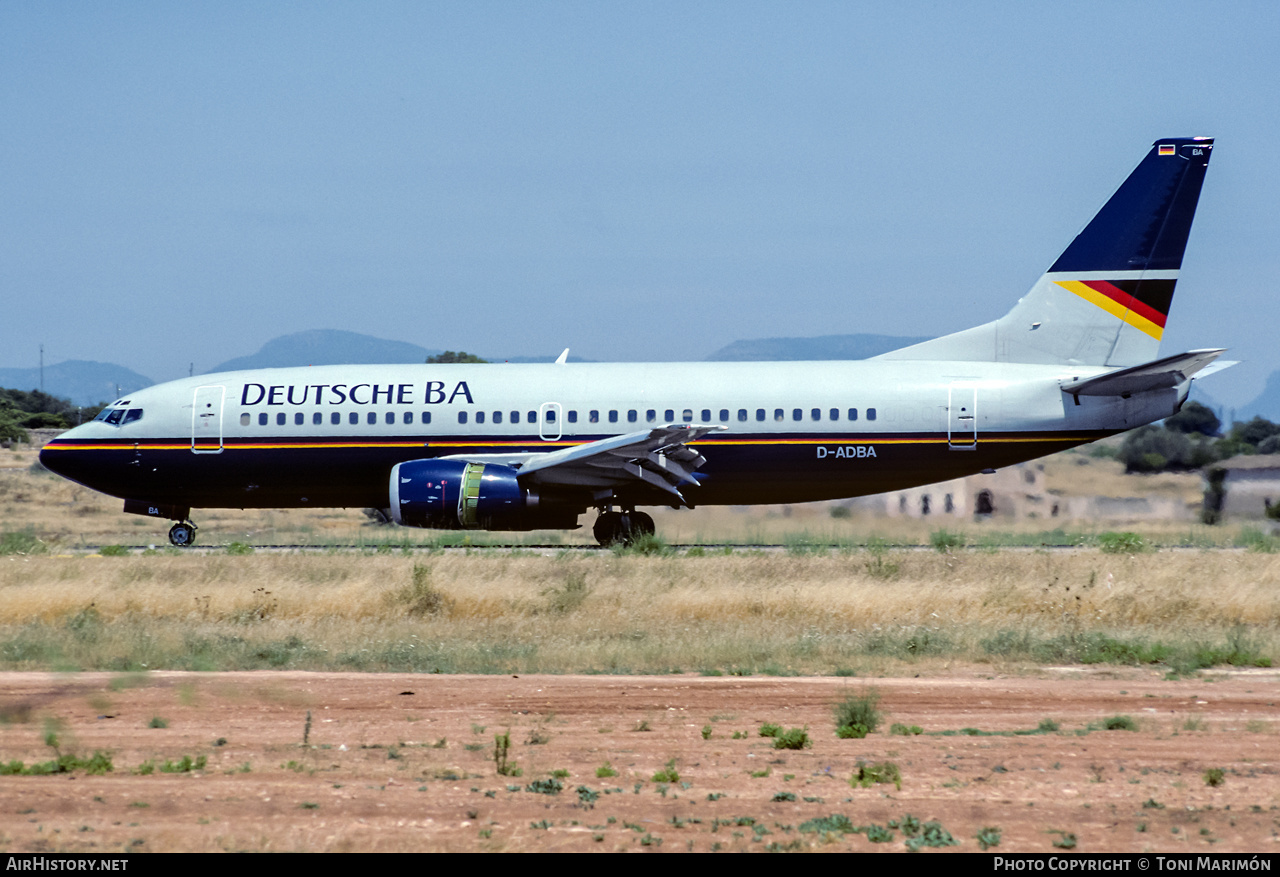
119, 416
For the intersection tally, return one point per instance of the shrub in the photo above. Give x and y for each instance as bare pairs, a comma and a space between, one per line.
1214, 776
857, 715
931, 834
901, 730
420, 597
989, 837
868, 775
1122, 543
25, 542
944, 541
645, 545
1120, 723
770, 730
501, 751
794, 738
113, 551
835, 823
878, 834
668, 774
605, 770
545, 787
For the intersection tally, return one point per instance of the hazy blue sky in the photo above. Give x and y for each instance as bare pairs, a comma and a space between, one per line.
183, 181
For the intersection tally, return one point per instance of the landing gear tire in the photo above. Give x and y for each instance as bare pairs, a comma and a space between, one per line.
608, 528
642, 524
182, 534
622, 528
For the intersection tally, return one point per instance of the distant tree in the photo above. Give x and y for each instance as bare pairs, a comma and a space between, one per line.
37, 402
1195, 417
1255, 431
11, 423
44, 420
1269, 445
450, 356
1155, 449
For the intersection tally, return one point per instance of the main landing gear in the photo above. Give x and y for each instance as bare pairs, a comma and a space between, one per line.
182, 534
622, 528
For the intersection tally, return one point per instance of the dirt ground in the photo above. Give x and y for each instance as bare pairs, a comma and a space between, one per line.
404, 762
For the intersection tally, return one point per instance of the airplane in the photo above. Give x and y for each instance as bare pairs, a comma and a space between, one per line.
534, 446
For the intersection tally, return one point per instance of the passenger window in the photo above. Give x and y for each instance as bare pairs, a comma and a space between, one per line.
871, 414
573, 416
515, 416
797, 414
533, 417
372, 418
632, 416
551, 415
244, 419
706, 415
778, 414
335, 418
497, 417
613, 416
317, 418
593, 416
669, 415
724, 415
651, 415
760, 414
687, 417
426, 417
353, 418
815, 414
834, 414
479, 417
262, 419
280, 419
742, 415
391, 417
298, 419
462, 417
853, 413
408, 417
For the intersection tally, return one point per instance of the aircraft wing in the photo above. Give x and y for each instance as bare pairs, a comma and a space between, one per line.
1160, 374
660, 457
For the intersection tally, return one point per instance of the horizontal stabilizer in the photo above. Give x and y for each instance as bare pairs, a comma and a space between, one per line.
1160, 374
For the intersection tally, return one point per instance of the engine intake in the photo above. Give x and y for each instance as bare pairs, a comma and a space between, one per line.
456, 494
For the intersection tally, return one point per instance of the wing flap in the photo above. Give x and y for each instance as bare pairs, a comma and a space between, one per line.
659, 457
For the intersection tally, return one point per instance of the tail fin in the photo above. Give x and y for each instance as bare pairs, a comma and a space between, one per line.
1105, 300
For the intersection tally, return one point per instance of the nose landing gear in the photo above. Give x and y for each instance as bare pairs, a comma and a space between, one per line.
622, 528
182, 534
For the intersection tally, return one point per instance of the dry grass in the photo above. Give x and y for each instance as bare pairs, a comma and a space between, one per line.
748, 612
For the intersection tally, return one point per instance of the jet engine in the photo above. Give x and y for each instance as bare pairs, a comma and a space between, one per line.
458, 495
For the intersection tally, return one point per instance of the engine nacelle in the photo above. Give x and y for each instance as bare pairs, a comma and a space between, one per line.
458, 495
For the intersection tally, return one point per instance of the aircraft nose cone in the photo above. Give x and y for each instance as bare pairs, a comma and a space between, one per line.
56, 458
